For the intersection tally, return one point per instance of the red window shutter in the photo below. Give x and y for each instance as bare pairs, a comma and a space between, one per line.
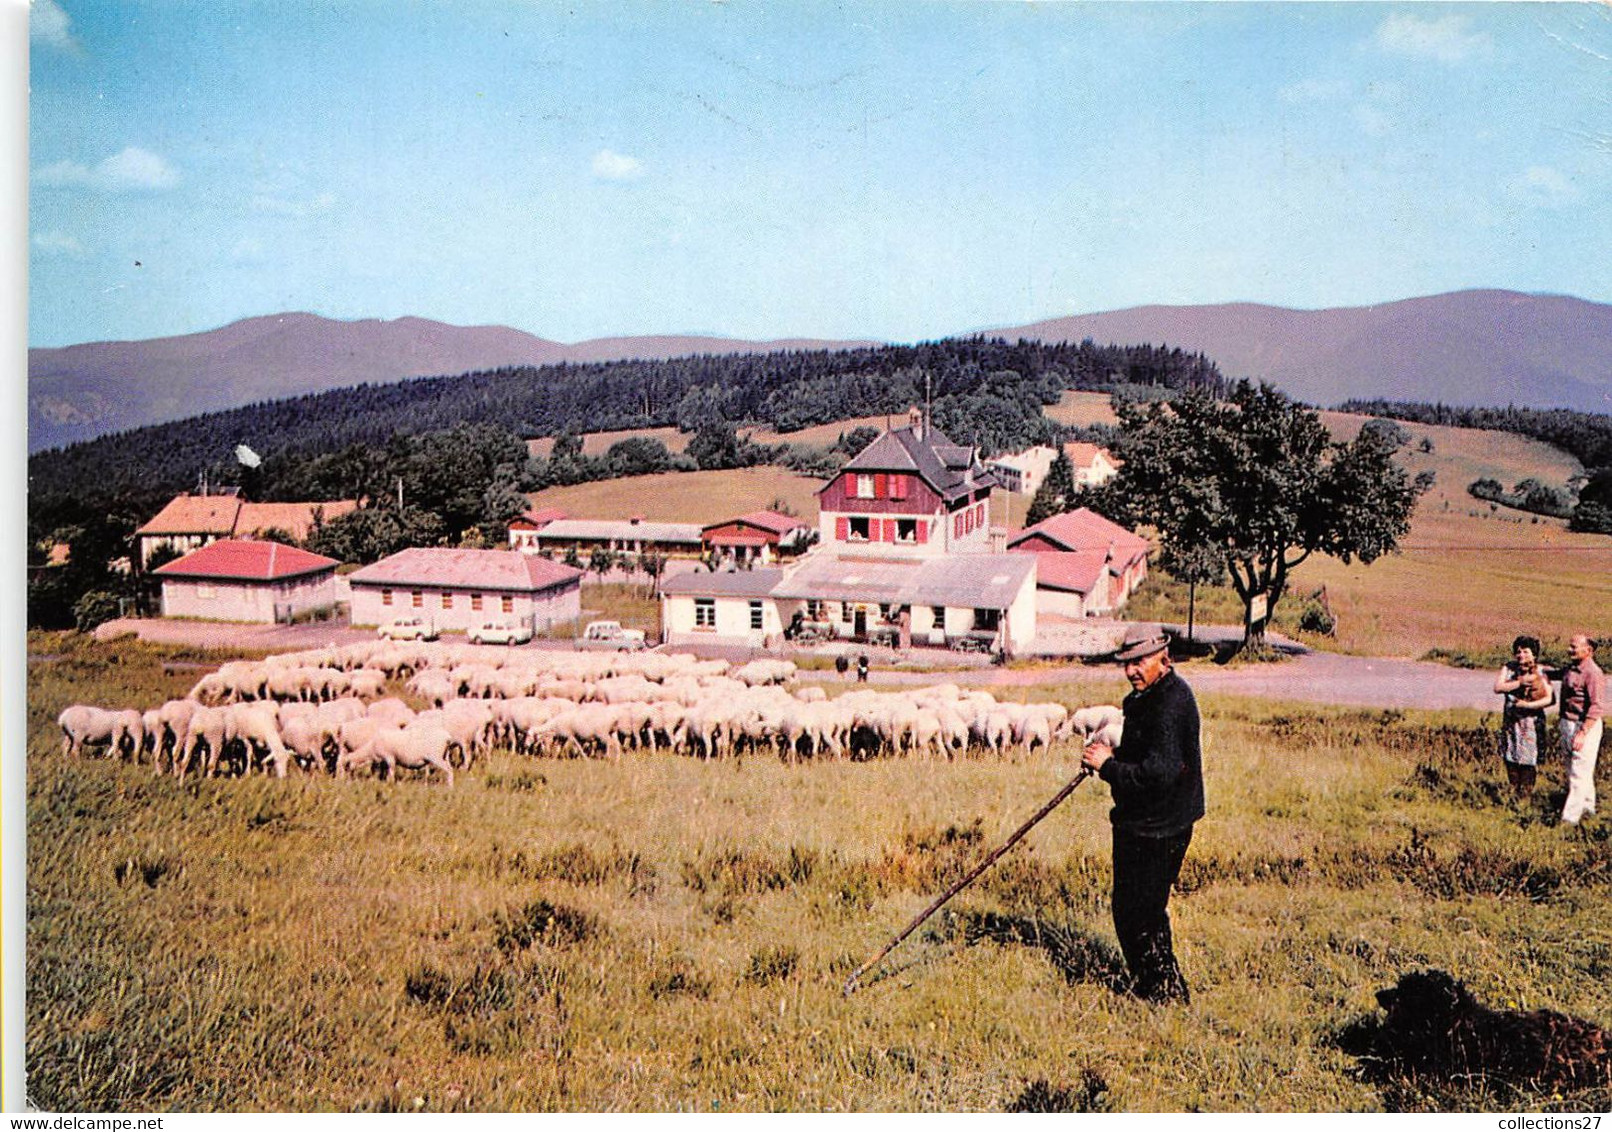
957, 525
889, 530
923, 531
842, 529
881, 485
898, 487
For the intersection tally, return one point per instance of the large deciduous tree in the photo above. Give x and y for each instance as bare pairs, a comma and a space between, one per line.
1258, 479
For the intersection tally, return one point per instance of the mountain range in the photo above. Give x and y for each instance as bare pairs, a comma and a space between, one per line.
1463, 348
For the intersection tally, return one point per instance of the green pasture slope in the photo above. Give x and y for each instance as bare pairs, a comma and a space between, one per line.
658, 933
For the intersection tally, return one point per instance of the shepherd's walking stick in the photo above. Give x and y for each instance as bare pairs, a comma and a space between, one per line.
851, 983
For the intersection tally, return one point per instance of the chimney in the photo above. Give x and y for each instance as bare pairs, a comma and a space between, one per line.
998, 540
915, 421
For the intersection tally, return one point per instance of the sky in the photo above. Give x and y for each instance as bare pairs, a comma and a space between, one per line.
886, 170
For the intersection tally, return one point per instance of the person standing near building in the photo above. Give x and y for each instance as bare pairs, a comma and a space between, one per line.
1522, 721
1156, 778
1583, 712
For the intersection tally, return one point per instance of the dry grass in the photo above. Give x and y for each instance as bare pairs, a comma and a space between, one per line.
685, 497
663, 934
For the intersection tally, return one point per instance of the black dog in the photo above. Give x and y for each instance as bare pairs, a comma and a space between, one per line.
1436, 1027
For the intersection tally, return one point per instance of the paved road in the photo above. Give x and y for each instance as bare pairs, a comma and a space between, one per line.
1306, 676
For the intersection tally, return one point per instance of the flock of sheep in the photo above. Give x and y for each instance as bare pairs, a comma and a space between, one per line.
327, 710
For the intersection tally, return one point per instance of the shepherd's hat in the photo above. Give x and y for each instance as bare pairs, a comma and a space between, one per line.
1140, 641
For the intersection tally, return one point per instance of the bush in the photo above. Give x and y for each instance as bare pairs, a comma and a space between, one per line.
1316, 619
93, 608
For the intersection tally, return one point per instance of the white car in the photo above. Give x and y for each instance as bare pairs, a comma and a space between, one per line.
408, 629
499, 633
609, 636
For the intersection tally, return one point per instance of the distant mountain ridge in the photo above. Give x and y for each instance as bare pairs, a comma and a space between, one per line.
1463, 348
84, 391
1483, 348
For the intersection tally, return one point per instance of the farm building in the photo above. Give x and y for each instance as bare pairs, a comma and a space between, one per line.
189, 522
458, 589
911, 493
1089, 565
626, 536
760, 536
523, 531
984, 601
247, 580
1024, 472
730, 606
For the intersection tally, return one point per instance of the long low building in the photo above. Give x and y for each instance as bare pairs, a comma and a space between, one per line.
627, 536
985, 600
247, 580
458, 589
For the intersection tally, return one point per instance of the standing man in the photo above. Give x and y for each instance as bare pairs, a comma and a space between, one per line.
1583, 709
1156, 778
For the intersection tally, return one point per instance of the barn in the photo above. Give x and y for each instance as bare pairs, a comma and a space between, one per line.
1067, 546
247, 580
457, 589
760, 536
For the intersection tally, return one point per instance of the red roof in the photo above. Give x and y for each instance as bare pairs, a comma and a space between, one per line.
248, 560
452, 568
195, 515
1082, 453
1074, 570
538, 519
1085, 529
767, 520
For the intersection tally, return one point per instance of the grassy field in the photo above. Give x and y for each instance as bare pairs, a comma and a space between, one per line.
663, 934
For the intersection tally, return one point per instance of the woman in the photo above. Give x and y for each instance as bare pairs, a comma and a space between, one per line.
1522, 724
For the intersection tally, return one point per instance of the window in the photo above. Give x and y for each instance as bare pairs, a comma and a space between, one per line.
206, 592
386, 597
447, 601
705, 613
475, 602
506, 604
939, 614
906, 530
417, 599
755, 615
987, 620
814, 609
898, 486
858, 529
847, 612
864, 487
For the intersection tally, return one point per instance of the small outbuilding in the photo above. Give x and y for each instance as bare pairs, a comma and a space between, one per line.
760, 536
247, 580
459, 589
1084, 535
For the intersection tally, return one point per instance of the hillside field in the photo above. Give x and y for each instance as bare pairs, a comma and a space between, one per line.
1467, 578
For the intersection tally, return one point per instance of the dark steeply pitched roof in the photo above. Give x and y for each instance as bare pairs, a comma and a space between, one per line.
949, 468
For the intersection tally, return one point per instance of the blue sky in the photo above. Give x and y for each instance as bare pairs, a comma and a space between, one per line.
883, 170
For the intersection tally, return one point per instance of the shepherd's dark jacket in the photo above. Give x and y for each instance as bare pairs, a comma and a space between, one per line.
1156, 774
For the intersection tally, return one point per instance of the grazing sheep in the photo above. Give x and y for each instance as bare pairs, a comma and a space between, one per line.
1102, 724
83, 725
1434, 1026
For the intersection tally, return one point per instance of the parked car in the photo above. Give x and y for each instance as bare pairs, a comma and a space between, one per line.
500, 633
609, 636
408, 629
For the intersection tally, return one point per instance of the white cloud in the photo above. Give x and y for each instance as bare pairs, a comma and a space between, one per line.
55, 243
609, 165
131, 170
1546, 187
50, 25
1445, 39
282, 206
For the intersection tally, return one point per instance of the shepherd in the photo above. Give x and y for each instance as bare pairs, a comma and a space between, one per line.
1156, 778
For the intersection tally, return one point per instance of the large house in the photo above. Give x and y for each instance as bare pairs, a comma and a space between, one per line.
912, 493
460, 589
247, 580
523, 530
1089, 565
189, 522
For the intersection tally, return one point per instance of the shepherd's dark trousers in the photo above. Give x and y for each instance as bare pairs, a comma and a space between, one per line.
1145, 868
